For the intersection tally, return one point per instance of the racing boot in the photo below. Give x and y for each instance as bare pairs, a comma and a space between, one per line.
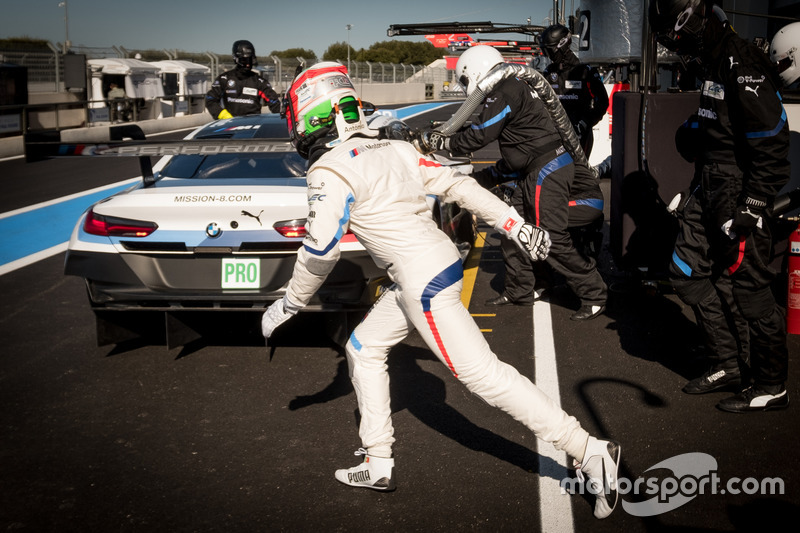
598, 472
588, 312
717, 377
756, 398
374, 473
505, 300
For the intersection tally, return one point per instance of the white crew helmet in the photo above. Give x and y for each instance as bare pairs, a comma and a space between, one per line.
784, 52
475, 64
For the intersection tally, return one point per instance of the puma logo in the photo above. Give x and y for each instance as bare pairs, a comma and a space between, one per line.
754, 91
257, 217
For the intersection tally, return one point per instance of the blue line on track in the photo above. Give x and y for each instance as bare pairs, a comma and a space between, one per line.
405, 112
39, 229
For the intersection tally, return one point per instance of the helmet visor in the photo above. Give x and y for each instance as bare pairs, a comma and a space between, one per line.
319, 117
783, 64
246, 61
348, 106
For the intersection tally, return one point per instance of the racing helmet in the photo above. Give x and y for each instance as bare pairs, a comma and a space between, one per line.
244, 54
784, 52
323, 105
475, 64
555, 42
679, 24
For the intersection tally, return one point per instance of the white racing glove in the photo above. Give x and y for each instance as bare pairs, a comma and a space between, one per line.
531, 239
276, 314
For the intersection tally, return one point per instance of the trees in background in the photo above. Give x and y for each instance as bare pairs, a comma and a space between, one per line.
293, 53
409, 53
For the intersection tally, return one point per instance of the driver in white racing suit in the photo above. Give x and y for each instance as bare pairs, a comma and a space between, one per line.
377, 189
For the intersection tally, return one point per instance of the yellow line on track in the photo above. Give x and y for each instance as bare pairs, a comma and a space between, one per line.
471, 269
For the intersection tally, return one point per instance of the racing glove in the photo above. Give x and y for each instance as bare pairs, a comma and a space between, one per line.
747, 215
276, 314
429, 141
533, 240
224, 114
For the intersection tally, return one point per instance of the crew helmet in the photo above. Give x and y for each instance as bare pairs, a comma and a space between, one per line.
784, 52
474, 64
323, 105
555, 42
679, 24
244, 54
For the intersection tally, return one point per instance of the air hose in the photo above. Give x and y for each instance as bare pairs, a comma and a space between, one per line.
540, 85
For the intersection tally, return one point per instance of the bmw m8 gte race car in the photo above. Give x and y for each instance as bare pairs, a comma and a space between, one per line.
214, 227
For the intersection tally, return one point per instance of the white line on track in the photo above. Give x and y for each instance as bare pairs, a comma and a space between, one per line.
556, 508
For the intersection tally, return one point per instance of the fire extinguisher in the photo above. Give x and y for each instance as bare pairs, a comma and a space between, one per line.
793, 299
618, 86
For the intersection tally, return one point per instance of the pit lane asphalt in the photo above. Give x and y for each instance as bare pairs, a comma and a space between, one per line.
224, 435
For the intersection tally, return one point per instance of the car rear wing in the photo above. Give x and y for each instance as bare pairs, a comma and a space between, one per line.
129, 141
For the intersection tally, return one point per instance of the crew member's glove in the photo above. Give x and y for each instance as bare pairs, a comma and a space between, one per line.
531, 239
429, 141
748, 215
276, 314
581, 128
224, 114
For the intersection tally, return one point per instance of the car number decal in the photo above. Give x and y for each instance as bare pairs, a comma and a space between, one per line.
241, 273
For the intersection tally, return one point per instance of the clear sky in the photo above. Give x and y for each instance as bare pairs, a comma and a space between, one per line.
212, 26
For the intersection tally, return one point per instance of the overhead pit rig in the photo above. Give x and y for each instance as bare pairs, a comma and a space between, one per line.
455, 35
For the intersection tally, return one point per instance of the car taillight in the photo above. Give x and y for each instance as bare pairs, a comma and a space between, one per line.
297, 228
117, 227
291, 228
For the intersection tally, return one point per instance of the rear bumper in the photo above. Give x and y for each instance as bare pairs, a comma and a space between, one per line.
181, 282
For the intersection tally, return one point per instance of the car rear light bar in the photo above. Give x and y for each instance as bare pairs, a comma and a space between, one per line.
117, 227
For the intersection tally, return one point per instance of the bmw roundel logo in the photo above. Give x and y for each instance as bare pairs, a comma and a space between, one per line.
212, 230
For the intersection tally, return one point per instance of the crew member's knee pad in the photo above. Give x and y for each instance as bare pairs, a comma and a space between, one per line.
693, 291
754, 304
588, 239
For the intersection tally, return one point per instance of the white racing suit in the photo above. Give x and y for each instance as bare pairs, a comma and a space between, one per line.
377, 190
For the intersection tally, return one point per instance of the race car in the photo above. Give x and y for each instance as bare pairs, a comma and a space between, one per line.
215, 227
